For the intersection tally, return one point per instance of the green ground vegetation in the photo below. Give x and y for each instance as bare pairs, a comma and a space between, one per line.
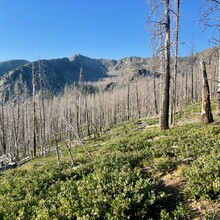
135, 171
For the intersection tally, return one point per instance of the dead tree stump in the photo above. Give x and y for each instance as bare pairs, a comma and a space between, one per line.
206, 114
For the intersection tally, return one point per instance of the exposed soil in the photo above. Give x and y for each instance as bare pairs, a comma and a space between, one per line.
171, 184
205, 209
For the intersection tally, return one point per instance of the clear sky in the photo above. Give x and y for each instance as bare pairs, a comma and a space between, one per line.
113, 29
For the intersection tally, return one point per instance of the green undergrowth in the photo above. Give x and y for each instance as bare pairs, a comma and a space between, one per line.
124, 177
191, 112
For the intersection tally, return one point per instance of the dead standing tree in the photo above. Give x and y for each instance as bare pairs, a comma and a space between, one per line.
161, 31
34, 113
3, 141
42, 111
209, 18
177, 15
206, 114
218, 90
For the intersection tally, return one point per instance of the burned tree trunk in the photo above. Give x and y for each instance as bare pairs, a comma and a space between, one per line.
42, 112
206, 114
128, 103
218, 90
173, 106
155, 97
138, 101
3, 126
164, 124
34, 114
218, 103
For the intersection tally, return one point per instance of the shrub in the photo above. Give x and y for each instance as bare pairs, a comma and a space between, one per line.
181, 212
204, 177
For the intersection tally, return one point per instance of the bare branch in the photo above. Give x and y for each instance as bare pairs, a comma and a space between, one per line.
218, 2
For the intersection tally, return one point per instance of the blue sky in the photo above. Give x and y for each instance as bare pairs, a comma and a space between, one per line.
113, 29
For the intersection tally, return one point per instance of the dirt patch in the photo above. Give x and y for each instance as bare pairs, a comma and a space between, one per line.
171, 185
158, 137
205, 209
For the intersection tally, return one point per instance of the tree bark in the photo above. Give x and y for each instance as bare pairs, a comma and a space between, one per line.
128, 103
68, 146
206, 115
138, 101
166, 81
155, 97
3, 125
57, 152
34, 114
175, 61
218, 90
186, 87
42, 112
192, 62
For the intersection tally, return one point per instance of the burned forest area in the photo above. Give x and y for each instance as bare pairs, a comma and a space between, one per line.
133, 138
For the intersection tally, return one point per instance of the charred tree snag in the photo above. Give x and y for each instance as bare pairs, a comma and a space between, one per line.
206, 114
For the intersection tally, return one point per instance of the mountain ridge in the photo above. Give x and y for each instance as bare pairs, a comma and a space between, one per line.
6, 66
61, 72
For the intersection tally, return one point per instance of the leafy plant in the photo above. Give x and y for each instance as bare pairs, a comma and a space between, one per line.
204, 177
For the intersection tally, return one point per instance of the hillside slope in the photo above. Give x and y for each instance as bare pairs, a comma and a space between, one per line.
56, 74
133, 170
11, 65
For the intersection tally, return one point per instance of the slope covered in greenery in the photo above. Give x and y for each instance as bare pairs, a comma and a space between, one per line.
135, 171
